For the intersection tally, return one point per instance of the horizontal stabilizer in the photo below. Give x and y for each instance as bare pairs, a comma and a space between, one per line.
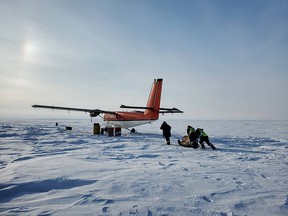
162, 110
170, 110
135, 107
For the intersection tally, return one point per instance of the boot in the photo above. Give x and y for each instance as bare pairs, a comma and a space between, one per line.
202, 145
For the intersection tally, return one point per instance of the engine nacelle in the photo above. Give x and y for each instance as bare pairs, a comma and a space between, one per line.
94, 114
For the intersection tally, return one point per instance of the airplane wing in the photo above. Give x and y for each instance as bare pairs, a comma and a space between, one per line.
92, 112
162, 110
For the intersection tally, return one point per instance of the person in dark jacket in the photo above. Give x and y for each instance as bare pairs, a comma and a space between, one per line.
166, 132
204, 138
193, 137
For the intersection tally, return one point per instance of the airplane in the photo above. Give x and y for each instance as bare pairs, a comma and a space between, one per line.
128, 119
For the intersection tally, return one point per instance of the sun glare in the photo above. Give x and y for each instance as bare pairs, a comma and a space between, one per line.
29, 49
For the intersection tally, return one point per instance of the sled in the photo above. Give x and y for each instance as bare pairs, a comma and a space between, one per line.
185, 142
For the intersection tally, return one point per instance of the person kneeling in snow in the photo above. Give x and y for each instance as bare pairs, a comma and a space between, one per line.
192, 137
204, 138
166, 131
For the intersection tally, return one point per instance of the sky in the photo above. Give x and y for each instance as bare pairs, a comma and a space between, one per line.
221, 59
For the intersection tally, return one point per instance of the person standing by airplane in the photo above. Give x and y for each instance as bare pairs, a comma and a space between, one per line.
192, 137
204, 138
166, 132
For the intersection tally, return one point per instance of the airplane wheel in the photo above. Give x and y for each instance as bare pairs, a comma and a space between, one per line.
133, 130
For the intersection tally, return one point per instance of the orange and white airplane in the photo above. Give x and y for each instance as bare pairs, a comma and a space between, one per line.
132, 118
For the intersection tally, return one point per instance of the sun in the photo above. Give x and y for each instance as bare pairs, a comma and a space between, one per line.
28, 49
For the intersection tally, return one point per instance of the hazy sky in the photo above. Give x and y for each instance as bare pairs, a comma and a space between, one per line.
223, 59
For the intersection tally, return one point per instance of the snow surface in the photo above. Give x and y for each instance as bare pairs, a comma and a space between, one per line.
46, 170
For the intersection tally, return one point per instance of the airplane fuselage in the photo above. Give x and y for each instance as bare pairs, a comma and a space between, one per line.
127, 119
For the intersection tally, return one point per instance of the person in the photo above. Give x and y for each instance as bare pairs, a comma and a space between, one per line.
166, 132
192, 137
204, 138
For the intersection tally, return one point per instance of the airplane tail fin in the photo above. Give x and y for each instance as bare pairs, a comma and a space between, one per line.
154, 99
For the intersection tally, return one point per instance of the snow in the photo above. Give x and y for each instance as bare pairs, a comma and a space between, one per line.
46, 170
